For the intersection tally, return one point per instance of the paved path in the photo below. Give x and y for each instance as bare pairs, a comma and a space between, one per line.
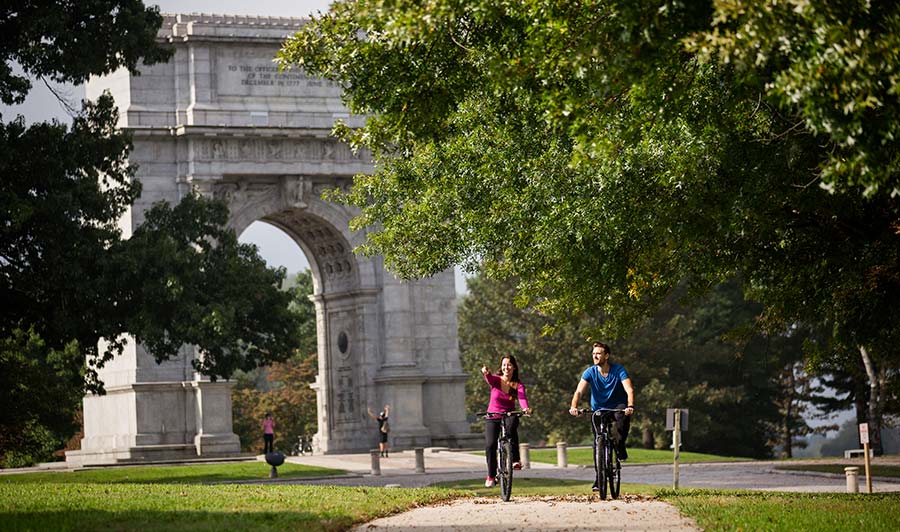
537, 514
576, 513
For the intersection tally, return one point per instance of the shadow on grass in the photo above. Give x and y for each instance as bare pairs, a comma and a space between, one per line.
167, 521
172, 474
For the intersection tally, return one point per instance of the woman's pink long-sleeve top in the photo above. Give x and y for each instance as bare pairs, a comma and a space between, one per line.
502, 402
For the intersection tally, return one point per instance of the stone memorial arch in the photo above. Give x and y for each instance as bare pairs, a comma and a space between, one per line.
220, 120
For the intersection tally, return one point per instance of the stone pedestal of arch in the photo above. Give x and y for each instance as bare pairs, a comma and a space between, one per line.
220, 120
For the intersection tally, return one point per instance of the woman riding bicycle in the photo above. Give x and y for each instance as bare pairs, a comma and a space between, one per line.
505, 389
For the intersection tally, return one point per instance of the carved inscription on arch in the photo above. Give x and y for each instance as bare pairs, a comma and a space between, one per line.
291, 150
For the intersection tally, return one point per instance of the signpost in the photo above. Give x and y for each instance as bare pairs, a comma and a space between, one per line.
864, 440
676, 421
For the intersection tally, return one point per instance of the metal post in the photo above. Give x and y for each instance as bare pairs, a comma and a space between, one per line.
376, 462
852, 479
562, 460
525, 455
420, 460
676, 442
868, 476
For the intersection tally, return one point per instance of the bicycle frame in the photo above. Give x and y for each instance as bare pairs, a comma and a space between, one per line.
504, 451
607, 467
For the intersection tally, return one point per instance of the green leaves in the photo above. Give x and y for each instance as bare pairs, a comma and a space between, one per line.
835, 64
69, 41
605, 153
213, 292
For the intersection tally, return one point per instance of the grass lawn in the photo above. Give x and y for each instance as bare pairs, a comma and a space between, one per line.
788, 512
875, 470
721, 510
178, 474
174, 498
583, 456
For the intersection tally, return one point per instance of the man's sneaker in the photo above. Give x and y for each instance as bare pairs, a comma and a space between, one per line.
489, 482
623, 454
517, 466
594, 487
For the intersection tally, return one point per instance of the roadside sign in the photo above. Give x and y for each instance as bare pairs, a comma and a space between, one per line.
670, 419
863, 433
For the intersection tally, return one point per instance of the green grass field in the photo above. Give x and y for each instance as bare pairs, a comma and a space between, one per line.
787, 512
721, 510
177, 474
173, 498
168, 499
582, 456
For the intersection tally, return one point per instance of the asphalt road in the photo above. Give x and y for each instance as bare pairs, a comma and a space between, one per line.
442, 465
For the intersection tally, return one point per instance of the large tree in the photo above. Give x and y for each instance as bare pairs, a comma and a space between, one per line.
606, 153
67, 278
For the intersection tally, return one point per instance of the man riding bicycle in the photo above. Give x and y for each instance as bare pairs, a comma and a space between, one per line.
610, 387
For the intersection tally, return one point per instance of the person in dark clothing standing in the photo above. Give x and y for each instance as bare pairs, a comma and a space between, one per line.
383, 429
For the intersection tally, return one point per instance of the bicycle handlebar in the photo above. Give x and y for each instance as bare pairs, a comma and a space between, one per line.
589, 411
516, 413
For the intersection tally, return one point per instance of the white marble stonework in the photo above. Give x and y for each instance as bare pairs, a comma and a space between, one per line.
219, 119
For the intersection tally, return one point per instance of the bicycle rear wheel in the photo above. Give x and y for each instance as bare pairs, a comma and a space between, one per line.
601, 459
614, 472
504, 469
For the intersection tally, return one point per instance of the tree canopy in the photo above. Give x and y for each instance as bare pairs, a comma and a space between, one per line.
67, 278
606, 152
71, 41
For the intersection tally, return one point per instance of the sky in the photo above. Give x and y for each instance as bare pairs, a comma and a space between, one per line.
274, 245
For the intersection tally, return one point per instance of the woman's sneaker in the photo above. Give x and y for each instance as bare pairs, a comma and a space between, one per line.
489, 482
517, 466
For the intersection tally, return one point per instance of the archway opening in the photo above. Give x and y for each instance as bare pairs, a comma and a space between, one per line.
282, 389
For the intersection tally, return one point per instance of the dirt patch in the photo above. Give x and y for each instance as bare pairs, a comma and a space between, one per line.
556, 514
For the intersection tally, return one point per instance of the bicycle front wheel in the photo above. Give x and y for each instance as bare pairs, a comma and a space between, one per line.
505, 470
614, 473
601, 460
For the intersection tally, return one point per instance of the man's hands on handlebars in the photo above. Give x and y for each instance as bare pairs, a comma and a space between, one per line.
575, 411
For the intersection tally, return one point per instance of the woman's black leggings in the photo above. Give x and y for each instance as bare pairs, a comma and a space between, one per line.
492, 432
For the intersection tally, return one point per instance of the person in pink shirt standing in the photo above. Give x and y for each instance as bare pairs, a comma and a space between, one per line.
505, 390
269, 433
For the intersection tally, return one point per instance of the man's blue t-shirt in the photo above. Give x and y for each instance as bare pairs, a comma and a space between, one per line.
606, 392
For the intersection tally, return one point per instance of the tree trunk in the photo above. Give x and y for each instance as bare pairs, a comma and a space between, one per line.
786, 436
876, 397
648, 438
